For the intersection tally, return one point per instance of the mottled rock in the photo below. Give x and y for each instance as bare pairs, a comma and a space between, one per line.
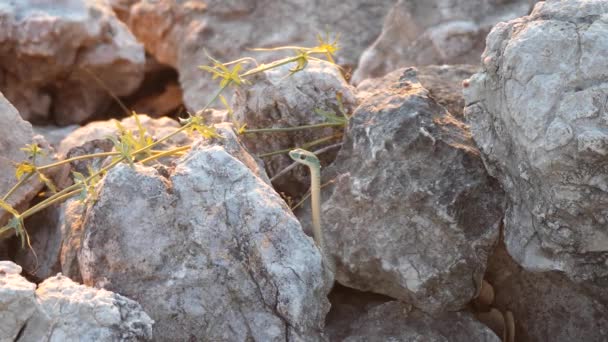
17, 300
15, 133
422, 32
412, 213
274, 100
49, 50
546, 306
538, 113
207, 248
178, 33
68, 311
444, 83
396, 321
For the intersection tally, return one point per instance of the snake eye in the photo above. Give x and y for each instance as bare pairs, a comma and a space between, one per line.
302, 157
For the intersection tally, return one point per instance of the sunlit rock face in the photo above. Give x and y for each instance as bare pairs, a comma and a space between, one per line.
538, 112
423, 32
55, 54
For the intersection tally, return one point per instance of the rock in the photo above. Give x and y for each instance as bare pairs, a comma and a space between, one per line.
15, 133
71, 312
538, 113
396, 321
17, 300
422, 32
444, 83
175, 32
412, 213
546, 306
55, 134
48, 52
207, 247
347, 306
275, 100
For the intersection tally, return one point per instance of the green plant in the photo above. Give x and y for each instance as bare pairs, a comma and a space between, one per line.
137, 147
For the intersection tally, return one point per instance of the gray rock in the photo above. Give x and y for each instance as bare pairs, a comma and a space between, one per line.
61, 310
412, 213
72, 312
396, 321
46, 48
546, 306
275, 100
538, 113
207, 248
422, 32
444, 83
15, 133
178, 33
17, 301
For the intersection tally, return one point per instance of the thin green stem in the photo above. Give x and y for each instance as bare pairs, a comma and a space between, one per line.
164, 154
16, 186
83, 157
305, 146
290, 129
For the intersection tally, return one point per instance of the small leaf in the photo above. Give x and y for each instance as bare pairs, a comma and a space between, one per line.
49, 184
24, 168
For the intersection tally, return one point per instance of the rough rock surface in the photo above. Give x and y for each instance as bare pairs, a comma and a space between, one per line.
178, 33
15, 133
275, 100
422, 32
207, 248
546, 306
412, 213
394, 321
46, 48
61, 310
17, 300
538, 112
444, 83
72, 312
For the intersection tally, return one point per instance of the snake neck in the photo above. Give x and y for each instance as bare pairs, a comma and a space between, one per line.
315, 195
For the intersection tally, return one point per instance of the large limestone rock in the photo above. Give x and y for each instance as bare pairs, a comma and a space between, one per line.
538, 113
208, 249
412, 213
422, 32
15, 133
17, 300
274, 100
547, 306
61, 310
395, 321
48, 49
72, 312
178, 33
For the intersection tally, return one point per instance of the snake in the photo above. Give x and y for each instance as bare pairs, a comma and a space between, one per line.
310, 159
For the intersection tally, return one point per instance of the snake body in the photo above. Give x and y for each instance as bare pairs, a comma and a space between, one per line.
310, 159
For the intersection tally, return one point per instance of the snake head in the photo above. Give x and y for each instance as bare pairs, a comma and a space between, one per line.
304, 157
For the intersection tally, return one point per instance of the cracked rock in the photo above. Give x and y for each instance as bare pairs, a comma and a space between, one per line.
538, 112
49, 49
207, 247
412, 213
61, 310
